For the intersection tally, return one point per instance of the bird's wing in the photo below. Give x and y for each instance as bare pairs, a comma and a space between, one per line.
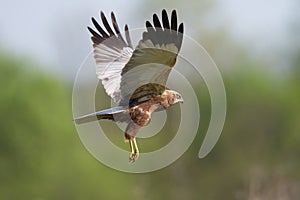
147, 71
111, 53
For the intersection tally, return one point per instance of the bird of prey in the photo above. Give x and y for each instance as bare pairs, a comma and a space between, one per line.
135, 78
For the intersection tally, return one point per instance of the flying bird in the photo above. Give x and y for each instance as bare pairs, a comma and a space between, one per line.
135, 78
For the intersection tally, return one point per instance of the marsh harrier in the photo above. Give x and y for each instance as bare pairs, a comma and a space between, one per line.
135, 78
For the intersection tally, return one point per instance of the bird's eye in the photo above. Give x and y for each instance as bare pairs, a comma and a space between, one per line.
178, 96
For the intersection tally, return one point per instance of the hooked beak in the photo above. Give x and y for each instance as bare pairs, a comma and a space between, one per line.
180, 101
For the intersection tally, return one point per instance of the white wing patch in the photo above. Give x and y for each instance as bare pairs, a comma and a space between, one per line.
109, 65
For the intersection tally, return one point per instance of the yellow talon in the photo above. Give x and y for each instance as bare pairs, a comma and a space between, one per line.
134, 154
136, 147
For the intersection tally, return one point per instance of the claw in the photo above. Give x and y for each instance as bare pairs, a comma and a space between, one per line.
133, 157
134, 154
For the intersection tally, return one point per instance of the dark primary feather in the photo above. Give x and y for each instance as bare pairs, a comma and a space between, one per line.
165, 19
174, 21
106, 24
160, 33
99, 28
115, 24
156, 21
128, 36
116, 39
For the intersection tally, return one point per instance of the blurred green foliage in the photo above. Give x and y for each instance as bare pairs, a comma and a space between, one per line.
257, 156
41, 156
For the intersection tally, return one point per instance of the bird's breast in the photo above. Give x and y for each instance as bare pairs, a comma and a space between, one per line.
140, 116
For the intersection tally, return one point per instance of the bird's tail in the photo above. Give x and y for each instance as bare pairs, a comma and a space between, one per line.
103, 114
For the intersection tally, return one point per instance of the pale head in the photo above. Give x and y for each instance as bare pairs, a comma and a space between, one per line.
173, 97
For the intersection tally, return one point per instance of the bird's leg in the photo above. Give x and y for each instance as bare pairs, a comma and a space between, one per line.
134, 154
136, 149
131, 151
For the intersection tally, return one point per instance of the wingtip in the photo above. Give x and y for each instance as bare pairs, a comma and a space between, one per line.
148, 24
112, 15
181, 28
174, 12
90, 29
156, 21
102, 15
154, 16
93, 20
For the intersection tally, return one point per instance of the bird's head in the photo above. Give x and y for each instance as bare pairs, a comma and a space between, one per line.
173, 97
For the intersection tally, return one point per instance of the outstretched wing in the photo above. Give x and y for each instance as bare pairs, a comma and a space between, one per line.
146, 73
111, 53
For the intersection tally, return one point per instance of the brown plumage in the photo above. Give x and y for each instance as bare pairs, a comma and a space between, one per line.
135, 78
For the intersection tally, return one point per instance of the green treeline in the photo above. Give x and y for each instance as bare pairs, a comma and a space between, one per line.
41, 156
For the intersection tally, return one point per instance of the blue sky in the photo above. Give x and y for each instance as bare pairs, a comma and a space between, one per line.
53, 32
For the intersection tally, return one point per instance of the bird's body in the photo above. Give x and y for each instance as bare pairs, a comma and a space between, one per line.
136, 78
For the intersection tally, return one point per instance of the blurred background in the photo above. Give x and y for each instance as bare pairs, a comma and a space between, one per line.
256, 46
